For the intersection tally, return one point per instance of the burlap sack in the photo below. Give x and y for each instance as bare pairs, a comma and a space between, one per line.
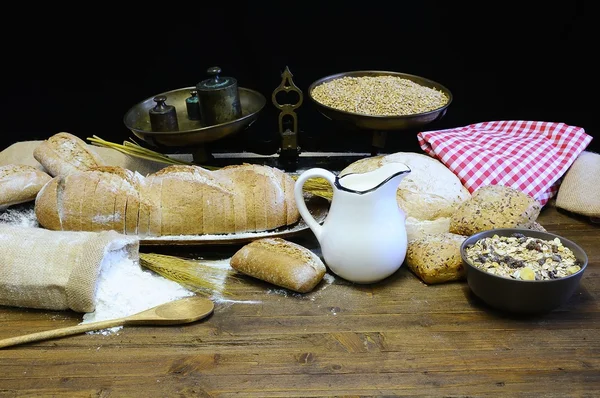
579, 191
56, 270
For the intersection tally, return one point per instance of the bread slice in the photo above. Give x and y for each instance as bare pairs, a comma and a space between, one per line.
87, 211
45, 208
125, 186
64, 153
132, 210
290, 209
20, 184
149, 207
71, 201
281, 263
106, 196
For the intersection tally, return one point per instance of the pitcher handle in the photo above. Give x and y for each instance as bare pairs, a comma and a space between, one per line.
299, 196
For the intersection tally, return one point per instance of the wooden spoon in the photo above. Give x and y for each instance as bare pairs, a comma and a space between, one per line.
186, 310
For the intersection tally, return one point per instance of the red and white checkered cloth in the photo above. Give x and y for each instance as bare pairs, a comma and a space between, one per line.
526, 155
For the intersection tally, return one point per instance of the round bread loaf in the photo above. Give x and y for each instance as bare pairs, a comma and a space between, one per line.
429, 194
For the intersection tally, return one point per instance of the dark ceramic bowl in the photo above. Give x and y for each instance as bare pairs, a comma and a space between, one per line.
519, 296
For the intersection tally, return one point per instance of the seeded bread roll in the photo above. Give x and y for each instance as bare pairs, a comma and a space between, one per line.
281, 263
177, 200
495, 206
20, 184
65, 153
436, 258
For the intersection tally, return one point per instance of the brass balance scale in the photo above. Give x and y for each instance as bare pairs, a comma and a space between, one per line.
225, 109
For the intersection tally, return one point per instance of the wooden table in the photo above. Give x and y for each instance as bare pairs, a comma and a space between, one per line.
397, 337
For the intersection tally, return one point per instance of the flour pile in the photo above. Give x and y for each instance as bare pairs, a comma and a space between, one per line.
124, 288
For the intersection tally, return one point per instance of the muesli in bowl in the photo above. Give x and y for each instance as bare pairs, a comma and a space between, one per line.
520, 270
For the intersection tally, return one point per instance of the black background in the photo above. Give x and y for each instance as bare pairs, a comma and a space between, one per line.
80, 69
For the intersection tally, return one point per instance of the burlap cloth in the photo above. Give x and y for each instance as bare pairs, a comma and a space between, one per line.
580, 188
56, 270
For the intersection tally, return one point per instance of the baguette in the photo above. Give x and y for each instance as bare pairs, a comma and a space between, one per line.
177, 200
65, 153
281, 263
20, 184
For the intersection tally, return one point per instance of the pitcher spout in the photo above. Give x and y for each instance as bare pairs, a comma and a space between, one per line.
390, 174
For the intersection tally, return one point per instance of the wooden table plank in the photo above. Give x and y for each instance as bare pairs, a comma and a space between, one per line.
398, 337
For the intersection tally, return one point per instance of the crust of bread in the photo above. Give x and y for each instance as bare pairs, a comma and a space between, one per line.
64, 153
436, 258
281, 263
495, 206
20, 184
45, 208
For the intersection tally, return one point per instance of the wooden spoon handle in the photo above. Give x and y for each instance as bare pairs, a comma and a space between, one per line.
68, 331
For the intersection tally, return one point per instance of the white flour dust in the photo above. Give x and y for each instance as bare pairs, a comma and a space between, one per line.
217, 295
327, 280
124, 288
22, 217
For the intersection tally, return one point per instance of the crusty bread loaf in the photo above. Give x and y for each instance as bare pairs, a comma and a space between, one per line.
495, 206
429, 194
64, 153
436, 258
177, 200
281, 263
20, 183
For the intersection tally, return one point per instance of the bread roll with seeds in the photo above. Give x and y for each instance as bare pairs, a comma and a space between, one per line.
177, 200
436, 258
495, 206
20, 184
64, 153
281, 263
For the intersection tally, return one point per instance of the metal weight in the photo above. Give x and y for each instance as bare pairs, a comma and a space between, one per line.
163, 117
219, 98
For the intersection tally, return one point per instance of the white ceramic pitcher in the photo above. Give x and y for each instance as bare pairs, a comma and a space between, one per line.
363, 237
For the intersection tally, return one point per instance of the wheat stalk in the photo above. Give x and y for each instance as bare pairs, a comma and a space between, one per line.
193, 275
134, 149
